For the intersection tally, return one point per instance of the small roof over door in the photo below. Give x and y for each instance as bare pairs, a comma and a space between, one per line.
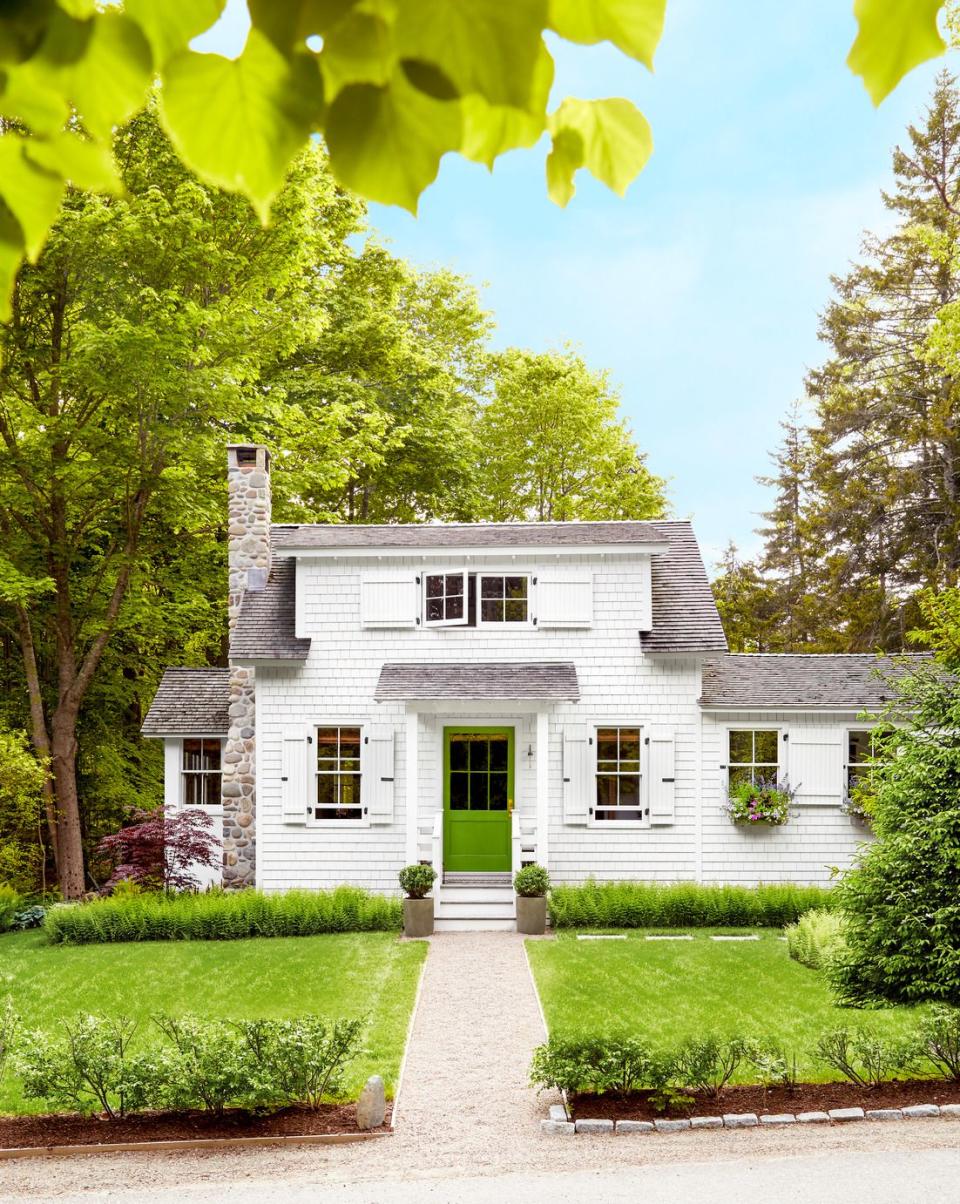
553, 681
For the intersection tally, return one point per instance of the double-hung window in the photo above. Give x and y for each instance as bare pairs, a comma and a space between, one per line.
462, 599
201, 772
862, 751
618, 776
338, 779
754, 755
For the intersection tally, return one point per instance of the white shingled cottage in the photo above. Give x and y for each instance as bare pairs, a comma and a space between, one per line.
483, 695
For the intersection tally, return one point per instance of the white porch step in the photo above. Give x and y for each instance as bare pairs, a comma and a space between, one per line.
478, 925
451, 909
476, 894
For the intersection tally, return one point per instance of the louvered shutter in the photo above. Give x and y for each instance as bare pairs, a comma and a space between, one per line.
577, 773
377, 773
661, 774
814, 764
389, 599
295, 793
564, 598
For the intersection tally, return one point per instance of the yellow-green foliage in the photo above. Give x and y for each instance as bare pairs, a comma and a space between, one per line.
816, 938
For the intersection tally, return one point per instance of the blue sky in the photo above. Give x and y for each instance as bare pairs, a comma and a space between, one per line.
700, 291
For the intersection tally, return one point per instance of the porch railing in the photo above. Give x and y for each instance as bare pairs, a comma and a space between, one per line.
436, 854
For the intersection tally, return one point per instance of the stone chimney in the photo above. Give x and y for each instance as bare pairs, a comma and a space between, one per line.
248, 489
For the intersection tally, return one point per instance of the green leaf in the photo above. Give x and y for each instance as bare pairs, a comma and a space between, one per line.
81, 162
32, 193
611, 138
289, 24
633, 26
11, 256
894, 37
239, 122
358, 50
386, 143
170, 25
482, 46
489, 130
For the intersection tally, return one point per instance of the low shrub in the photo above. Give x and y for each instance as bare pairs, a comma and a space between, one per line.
416, 881
682, 905
29, 917
90, 1066
301, 1061
865, 1058
11, 902
9, 1024
816, 939
708, 1063
531, 882
221, 915
208, 1066
596, 1064
938, 1040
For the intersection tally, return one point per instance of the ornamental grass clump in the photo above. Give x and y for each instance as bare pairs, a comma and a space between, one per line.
761, 802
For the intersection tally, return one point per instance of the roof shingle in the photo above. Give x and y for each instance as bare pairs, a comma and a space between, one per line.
554, 681
464, 535
780, 681
190, 702
685, 616
265, 628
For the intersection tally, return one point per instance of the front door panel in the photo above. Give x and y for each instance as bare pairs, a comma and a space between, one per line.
477, 799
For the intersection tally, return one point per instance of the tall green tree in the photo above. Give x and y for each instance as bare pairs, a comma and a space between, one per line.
554, 447
138, 340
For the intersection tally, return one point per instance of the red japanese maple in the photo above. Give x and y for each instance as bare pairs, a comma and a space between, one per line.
162, 852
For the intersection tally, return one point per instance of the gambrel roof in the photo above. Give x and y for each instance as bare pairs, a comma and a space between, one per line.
190, 702
783, 681
265, 628
554, 681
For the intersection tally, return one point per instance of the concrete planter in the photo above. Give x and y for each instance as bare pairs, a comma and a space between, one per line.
531, 915
418, 917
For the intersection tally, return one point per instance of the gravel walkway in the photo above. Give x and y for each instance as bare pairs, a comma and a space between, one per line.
464, 1110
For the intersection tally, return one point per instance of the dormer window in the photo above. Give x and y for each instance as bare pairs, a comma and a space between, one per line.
462, 599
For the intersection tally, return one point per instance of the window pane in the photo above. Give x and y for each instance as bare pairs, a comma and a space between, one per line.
516, 612
478, 791
211, 755
740, 774
192, 796
455, 607
434, 610
606, 790
607, 745
498, 753
491, 611
458, 753
630, 748
454, 585
606, 815
326, 746
192, 754
629, 790
459, 791
498, 792
349, 789
515, 587
479, 754
741, 747
434, 586
491, 587
326, 789
350, 748
859, 746
766, 749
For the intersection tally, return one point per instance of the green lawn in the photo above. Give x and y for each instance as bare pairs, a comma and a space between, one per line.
346, 974
667, 991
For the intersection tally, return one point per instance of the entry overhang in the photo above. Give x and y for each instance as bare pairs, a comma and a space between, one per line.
538, 681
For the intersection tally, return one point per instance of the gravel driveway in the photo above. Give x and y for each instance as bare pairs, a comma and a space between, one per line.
464, 1111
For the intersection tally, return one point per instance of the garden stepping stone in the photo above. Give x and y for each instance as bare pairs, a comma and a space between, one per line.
918, 1111
845, 1114
601, 936
594, 1126
669, 937
752, 937
634, 1126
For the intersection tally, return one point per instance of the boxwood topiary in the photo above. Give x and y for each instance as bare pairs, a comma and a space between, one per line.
532, 882
416, 880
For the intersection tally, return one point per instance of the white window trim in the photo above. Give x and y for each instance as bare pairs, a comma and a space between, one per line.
441, 572
847, 763
496, 624
183, 805
335, 824
623, 825
783, 751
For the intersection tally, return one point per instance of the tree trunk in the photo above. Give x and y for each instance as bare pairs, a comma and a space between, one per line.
38, 730
64, 765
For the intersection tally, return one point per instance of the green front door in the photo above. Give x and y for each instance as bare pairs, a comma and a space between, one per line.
477, 798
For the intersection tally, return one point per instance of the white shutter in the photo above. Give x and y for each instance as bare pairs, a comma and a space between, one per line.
577, 773
295, 784
815, 764
661, 774
564, 598
389, 599
377, 771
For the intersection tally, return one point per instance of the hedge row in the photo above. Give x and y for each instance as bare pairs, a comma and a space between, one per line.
219, 915
682, 905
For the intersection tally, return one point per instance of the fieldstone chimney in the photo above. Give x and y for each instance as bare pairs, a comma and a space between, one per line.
248, 559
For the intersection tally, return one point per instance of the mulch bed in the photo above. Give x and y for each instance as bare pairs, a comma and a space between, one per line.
806, 1097
72, 1129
